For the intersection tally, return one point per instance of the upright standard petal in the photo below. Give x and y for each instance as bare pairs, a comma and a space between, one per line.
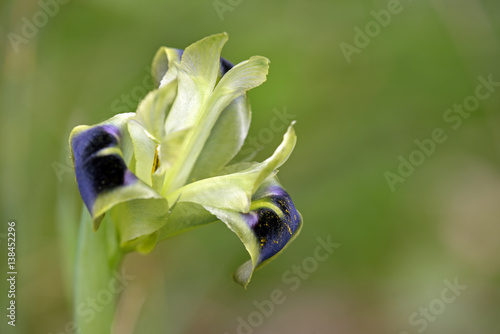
202, 95
163, 68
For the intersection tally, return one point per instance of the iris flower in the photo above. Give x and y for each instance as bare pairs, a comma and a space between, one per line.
170, 166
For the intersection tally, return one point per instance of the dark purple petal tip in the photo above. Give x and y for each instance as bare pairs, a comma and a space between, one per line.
274, 228
97, 173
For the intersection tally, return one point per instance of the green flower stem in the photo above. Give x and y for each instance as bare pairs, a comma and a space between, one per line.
67, 210
97, 261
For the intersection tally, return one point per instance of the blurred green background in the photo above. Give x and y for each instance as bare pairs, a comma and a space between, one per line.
354, 119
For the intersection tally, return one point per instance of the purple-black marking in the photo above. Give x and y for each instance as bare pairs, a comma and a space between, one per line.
96, 174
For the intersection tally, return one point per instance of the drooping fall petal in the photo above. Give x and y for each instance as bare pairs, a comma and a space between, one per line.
105, 181
272, 223
252, 204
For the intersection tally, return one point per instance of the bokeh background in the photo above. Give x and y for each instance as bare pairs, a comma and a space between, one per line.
355, 118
